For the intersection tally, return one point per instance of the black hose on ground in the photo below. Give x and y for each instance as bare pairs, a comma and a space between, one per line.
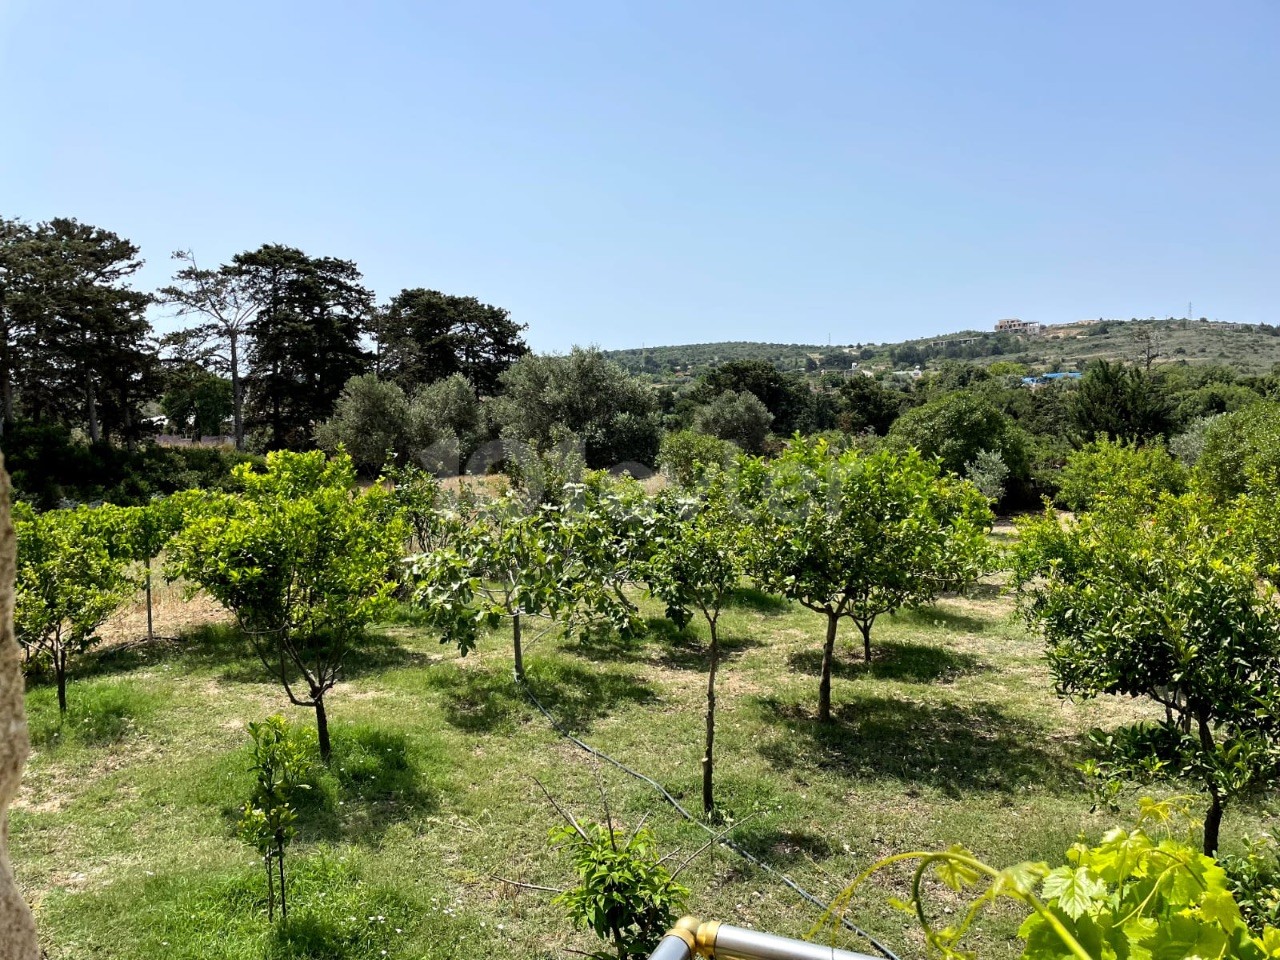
723, 841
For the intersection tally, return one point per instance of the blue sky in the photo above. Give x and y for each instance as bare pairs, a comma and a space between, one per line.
657, 172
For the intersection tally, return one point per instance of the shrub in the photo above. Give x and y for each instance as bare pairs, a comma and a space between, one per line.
684, 456
739, 418
1239, 445
625, 894
1120, 474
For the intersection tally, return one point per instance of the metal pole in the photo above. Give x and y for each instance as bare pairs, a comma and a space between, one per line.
720, 941
738, 943
672, 947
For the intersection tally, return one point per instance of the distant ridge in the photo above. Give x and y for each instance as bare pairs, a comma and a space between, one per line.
1246, 348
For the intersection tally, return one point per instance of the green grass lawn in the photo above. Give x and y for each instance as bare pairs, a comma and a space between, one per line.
124, 837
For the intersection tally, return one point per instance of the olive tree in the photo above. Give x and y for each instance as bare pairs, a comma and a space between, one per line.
1168, 608
302, 559
68, 581
697, 562
857, 536
737, 417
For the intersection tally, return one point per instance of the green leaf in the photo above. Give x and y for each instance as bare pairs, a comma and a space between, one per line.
1075, 890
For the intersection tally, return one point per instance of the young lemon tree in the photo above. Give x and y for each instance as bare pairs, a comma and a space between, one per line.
697, 563
1169, 608
267, 818
302, 559
68, 581
856, 536
145, 532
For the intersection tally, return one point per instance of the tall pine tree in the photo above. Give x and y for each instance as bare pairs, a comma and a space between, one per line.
305, 338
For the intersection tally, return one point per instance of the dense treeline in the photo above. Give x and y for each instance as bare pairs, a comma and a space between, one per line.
280, 349
269, 339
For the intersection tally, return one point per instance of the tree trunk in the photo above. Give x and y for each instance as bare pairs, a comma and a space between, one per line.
60, 671
828, 652
708, 757
322, 727
237, 394
519, 653
865, 627
284, 903
1213, 818
271, 888
1212, 824
150, 632
91, 402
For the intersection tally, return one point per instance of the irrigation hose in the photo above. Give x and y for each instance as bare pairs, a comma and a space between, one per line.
722, 840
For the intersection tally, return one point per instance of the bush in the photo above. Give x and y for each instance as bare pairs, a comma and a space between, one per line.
739, 418
1188, 446
1239, 445
49, 466
684, 455
957, 427
1121, 474
988, 472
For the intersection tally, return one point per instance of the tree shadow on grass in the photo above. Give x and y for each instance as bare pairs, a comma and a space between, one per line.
939, 745
98, 713
374, 779
939, 617
779, 846
223, 649
486, 700
894, 660
662, 643
751, 598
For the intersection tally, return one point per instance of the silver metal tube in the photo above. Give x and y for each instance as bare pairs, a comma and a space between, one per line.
737, 943
672, 948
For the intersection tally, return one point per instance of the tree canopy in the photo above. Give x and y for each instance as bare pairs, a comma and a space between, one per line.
303, 561
425, 335
856, 536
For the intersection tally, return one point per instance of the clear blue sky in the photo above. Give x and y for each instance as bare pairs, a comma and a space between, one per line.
646, 172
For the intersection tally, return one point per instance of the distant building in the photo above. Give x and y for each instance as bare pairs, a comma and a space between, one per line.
1045, 378
1014, 325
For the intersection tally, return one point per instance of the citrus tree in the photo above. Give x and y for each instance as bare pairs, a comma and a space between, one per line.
302, 559
267, 818
697, 562
856, 536
145, 532
68, 581
1166, 607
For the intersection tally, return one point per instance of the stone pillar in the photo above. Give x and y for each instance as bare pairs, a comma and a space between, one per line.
17, 929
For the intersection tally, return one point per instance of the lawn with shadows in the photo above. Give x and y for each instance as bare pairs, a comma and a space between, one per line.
124, 833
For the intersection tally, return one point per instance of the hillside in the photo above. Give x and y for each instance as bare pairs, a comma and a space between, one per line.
1248, 349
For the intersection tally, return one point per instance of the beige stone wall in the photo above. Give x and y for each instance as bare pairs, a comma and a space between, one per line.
17, 930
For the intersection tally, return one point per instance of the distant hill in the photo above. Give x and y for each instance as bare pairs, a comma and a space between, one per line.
1246, 348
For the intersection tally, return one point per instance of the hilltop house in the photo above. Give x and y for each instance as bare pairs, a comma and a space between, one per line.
1014, 325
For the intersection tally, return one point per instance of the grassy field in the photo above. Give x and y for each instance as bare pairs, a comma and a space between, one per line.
123, 836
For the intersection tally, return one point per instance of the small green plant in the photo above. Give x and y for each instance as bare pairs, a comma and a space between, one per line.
624, 894
267, 819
